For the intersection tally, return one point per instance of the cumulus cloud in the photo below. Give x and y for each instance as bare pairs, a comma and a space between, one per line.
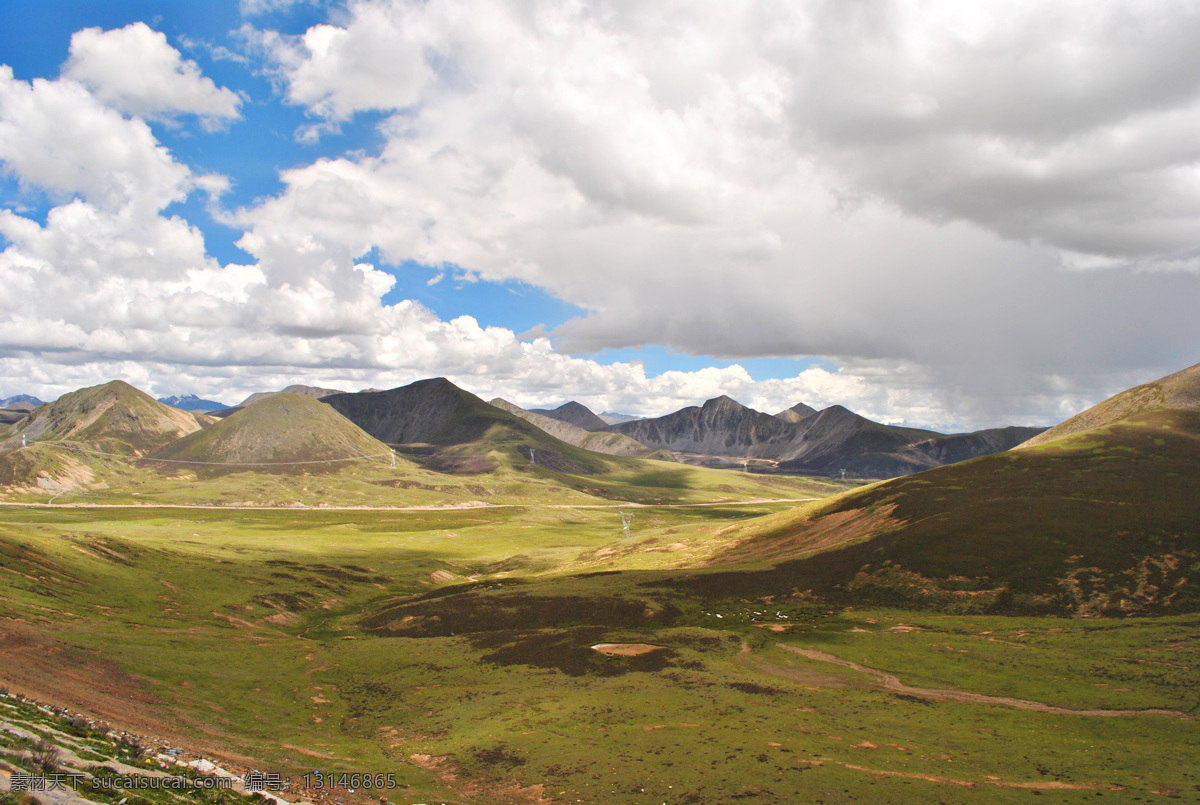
983, 213
57, 137
934, 184
386, 65
134, 69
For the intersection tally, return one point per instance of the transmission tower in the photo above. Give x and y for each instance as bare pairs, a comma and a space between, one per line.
626, 519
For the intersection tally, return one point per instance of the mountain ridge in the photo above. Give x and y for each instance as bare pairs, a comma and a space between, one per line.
825, 442
613, 444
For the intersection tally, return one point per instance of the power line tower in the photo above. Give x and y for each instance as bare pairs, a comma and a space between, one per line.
626, 519
532, 457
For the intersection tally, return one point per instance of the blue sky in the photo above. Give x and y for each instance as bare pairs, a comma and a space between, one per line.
253, 150
952, 222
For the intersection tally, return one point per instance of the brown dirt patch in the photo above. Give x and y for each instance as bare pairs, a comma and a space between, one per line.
41, 667
625, 649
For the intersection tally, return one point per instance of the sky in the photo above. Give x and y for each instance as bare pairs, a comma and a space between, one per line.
943, 214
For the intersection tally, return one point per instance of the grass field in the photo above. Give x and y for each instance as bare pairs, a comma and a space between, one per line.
452, 648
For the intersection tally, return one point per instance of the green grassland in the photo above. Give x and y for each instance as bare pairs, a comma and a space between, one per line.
452, 648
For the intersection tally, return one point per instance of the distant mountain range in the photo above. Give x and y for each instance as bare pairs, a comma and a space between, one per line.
613, 418
464, 432
21, 402
804, 440
614, 444
315, 392
190, 402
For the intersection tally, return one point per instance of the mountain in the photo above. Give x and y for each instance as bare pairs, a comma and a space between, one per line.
21, 402
190, 402
1178, 391
1101, 521
308, 391
720, 427
278, 430
838, 439
797, 412
824, 443
114, 417
573, 413
427, 412
613, 444
613, 418
464, 433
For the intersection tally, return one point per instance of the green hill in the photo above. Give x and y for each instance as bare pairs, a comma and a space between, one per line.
1178, 391
282, 431
1099, 522
114, 417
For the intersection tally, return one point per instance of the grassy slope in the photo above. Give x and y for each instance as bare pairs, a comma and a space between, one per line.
281, 635
115, 417
456, 642
275, 430
1180, 391
1105, 521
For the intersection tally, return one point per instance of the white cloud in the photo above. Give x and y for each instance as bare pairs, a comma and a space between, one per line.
55, 136
135, 70
877, 181
969, 207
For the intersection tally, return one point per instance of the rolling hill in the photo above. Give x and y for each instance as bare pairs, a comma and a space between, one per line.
279, 432
114, 417
316, 392
1097, 522
1179, 391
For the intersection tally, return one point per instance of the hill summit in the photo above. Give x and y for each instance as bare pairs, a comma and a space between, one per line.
431, 411
573, 413
278, 430
114, 417
1179, 391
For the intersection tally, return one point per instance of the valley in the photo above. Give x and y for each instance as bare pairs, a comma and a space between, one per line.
482, 623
